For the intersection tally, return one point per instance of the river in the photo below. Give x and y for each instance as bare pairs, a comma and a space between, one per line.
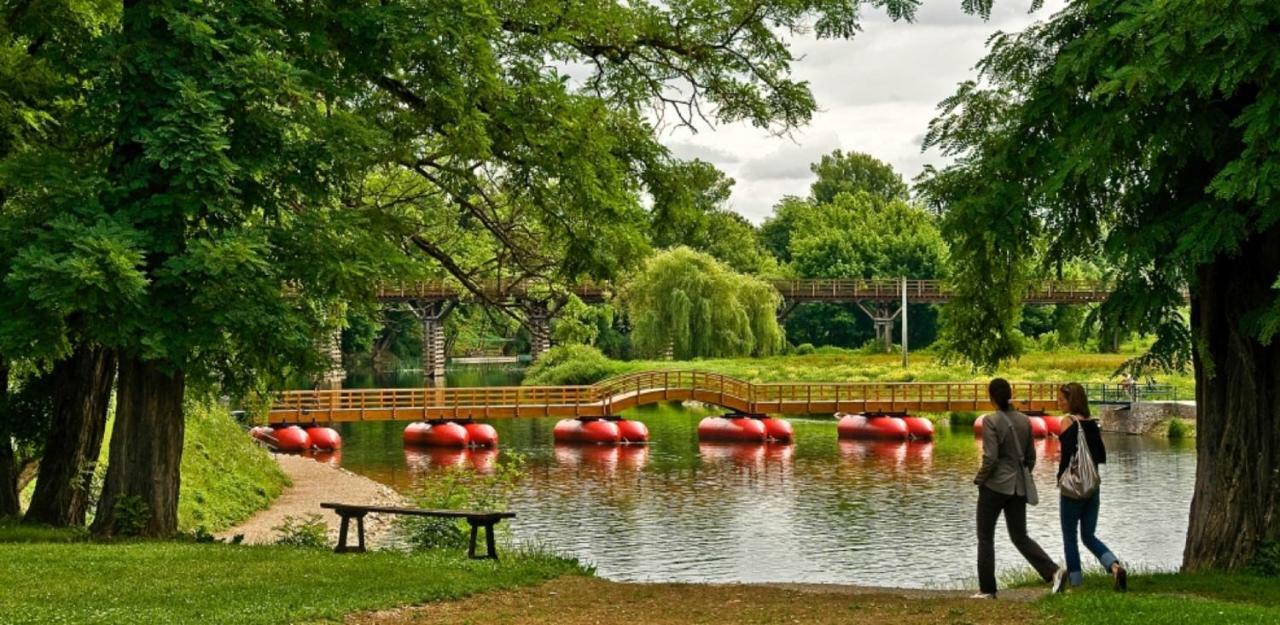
818, 510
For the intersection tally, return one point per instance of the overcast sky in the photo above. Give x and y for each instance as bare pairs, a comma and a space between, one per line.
876, 94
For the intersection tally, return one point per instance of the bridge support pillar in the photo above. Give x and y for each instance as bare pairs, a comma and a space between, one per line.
882, 317
539, 334
334, 374
432, 314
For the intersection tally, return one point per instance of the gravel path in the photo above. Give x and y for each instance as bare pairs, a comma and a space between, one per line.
315, 482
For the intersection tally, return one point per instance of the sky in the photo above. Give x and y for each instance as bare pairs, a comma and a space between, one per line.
876, 94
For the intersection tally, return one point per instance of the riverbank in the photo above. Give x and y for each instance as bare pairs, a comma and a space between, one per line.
313, 483
575, 365
1199, 599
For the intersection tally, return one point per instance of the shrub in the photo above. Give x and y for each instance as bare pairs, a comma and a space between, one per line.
1177, 429
571, 364
459, 489
804, 349
1267, 560
307, 533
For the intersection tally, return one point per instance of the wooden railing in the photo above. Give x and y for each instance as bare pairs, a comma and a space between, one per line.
611, 397
918, 291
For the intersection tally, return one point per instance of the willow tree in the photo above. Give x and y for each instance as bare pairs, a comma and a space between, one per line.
1143, 134
693, 305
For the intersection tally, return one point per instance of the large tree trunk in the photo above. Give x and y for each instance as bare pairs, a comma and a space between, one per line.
8, 460
82, 393
140, 495
1235, 507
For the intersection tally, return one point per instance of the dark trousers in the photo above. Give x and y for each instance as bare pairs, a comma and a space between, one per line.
990, 505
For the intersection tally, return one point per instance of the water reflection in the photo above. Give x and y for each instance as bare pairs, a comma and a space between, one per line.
819, 510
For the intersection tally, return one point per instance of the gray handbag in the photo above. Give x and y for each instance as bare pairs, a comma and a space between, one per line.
1028, 480
1080, 480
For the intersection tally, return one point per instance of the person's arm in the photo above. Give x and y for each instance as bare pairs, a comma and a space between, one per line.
990, 451
1096, 447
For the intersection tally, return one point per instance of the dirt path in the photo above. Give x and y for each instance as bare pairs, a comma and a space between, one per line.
315, 482
591, 601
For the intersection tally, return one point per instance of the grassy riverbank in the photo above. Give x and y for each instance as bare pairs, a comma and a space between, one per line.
180, 582
226, 477
577, 366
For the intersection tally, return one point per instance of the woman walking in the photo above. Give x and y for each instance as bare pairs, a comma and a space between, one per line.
1081, 515
1005, 486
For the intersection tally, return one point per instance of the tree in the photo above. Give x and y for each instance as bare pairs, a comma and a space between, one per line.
840, 172
1142, 134
689, 208
692, 304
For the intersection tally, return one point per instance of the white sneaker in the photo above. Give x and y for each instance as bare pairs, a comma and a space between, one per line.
984, 595
1059, 580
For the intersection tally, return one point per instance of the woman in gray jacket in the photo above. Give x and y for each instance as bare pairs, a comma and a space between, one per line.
1003, 487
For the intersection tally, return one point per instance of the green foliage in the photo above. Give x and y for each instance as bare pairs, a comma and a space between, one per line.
131, 514
570, 364
694, 305
226, 477
856, 172
458, 488
1177, 429
309, 532
804, 349
689, 210
121, 584
1267, 561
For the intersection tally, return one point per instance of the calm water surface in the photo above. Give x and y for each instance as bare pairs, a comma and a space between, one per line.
819, 510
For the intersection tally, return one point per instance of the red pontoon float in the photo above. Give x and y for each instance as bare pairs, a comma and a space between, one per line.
732, 429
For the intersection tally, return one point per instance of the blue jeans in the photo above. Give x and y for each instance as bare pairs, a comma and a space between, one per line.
1082, 514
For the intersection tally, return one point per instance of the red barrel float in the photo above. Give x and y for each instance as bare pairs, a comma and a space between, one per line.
324, 439
778, 430
1038, 427
1054, 425
873, 428
435, 434
733, 429
292, 438
632, 431
481, 435
597, 431
919, 428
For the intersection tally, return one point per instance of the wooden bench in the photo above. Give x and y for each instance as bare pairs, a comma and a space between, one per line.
476, 520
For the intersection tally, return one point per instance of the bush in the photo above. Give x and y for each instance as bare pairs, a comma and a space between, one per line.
1267, 560
804, 349
308, 533
459, 489
1177, 429
571, 364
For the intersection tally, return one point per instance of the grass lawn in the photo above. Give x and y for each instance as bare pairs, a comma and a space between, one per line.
1191, 599
175, 582
831, 365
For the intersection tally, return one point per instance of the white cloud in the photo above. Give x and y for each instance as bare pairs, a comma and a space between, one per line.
876, 94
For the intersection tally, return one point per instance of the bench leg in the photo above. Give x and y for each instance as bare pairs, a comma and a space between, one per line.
360, 533
342, 535
471, 545
488, 539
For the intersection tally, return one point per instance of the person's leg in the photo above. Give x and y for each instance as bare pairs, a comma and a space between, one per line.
989, 505
1069, 513
1088, 528
1015, 518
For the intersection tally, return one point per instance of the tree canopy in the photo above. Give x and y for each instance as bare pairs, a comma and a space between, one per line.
693, 305
1141, 134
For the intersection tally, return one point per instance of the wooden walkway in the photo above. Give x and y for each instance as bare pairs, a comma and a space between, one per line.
611, 397
917, 291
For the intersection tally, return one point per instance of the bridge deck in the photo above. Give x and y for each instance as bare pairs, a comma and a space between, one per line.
815, 290
611, 397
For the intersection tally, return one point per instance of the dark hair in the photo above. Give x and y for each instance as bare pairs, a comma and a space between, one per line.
1077, 399
1000, 393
